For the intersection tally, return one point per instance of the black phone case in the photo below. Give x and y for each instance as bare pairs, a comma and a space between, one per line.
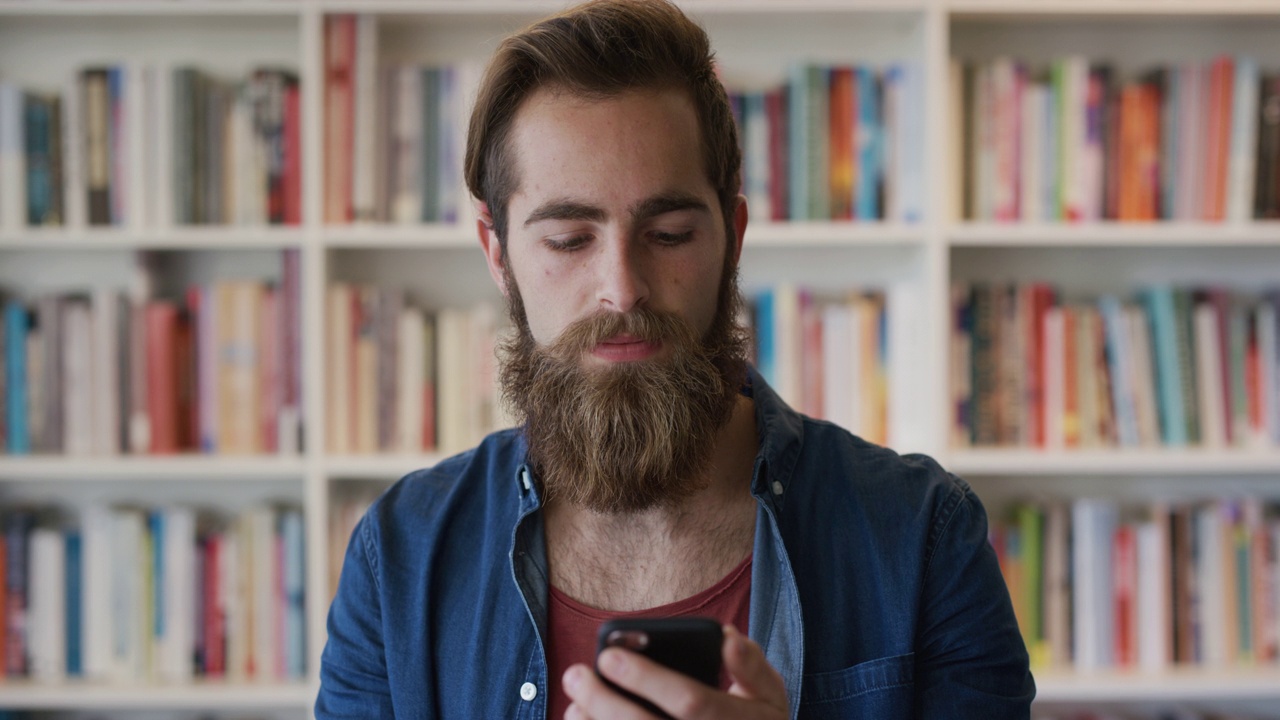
687, 645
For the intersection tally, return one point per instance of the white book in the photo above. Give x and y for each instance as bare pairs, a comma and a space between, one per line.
1093, 529
1191, 109
1055, 382
1142, 372
47, 640
860, 397
984, 130
837, 382
911, 180
97, 618
1269, 383
1006, 106
1074, 136
248, 171
406, 204
138, 144
104, 354
159, 120
453, 385
788, 342
1033, 109
338, 367
365, 74
410, 393
1211, 583
74, 173
13, 165
128, 596
1241, 162
1152, 594
178, 615
956, 141
77, 373
265, 601
891, 142
1209, 389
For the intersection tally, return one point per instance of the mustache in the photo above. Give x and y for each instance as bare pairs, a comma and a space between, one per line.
644, 324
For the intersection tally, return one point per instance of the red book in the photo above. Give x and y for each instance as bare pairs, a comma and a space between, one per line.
1124, 568
214, 622
292, 155
185, 390
161, 319
775, 106
4, 598
340, 42
1218, 140
811, 360
194, 308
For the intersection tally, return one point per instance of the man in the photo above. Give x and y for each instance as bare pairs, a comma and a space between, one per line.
653, 473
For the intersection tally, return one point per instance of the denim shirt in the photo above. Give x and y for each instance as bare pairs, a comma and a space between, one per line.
874, 591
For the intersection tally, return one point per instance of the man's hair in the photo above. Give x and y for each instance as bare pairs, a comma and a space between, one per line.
599, 50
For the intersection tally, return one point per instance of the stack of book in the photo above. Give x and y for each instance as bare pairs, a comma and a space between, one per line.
835, 143
141, 146
169, 594
826, 356
1099, 585
1076, 142
1174, 367
115, 372
393, 134
400, 380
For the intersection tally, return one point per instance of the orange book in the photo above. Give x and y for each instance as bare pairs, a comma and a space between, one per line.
339, 111
1124, 569
842, 152
1218, 136
1071, 381
1129, 141
162, 380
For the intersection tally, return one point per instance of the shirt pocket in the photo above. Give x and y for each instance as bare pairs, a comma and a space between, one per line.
876, 690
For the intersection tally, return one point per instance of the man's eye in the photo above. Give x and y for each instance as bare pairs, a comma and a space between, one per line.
666, 238
567, 244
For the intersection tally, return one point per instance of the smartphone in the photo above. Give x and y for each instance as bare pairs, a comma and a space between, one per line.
690, 645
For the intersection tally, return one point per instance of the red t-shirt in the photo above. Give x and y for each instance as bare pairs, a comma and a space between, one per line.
572, 626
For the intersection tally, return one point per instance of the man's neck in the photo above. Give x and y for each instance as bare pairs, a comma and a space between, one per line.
637, 561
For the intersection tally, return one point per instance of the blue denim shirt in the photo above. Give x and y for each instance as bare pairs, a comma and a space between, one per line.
874, 591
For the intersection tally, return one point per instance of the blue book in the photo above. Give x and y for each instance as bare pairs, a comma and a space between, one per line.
116, 93
1164, 345
16, 323
766, 355
74, 605
39, 157
798, 127
291, 529
155, 525
867, 145
1118, 355
17, 533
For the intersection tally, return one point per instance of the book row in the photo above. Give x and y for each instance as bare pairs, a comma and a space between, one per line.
835, 143
826, 356
1075, 141
168, 594
1096, 584
147, 146
111, 372
404, 380
1169, 367
394, 133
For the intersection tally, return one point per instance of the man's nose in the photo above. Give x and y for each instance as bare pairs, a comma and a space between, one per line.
622, 283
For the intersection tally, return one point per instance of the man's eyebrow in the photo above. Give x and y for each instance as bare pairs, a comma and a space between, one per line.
662, 204
564, 210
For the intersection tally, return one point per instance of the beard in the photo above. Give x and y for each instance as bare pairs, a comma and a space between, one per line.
632, 435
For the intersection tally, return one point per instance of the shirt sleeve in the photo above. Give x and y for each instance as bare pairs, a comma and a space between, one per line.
971, 660
353, 667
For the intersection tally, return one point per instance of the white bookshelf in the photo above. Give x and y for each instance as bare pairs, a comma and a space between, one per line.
41, 41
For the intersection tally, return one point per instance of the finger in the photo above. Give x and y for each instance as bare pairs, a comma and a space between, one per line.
753, 676
675, 693
591, 698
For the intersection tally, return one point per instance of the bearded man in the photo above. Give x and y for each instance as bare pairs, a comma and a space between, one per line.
653, 471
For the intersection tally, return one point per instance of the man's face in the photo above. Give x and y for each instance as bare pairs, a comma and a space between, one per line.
613, 212
626, 360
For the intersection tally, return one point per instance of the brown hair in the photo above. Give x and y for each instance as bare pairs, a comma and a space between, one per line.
598, 50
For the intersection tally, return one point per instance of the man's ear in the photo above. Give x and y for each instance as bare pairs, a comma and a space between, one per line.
739, 226
493, 254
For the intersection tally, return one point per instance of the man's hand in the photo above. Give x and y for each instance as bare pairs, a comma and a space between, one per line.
757, 692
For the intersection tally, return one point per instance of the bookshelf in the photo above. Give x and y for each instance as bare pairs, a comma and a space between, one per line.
42, 43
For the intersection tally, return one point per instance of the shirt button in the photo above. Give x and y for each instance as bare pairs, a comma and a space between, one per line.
528, 691
777, 488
